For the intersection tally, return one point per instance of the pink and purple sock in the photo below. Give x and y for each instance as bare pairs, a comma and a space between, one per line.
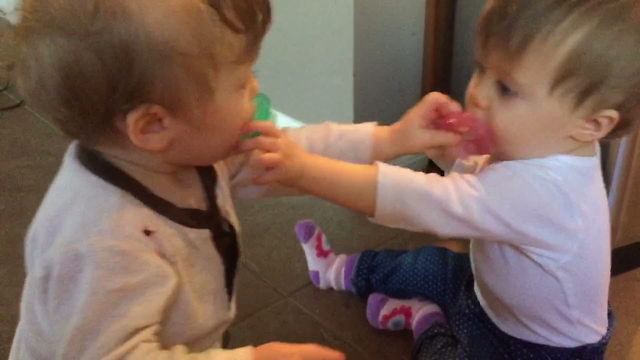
416, 314
326, 269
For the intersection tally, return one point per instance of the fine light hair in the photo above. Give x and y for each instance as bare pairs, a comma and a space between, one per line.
85, 63
598, 42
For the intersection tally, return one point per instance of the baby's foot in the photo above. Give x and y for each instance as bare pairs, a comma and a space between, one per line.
326, 269
416, 314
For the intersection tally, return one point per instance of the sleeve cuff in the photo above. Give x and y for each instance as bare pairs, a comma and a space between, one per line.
387, 205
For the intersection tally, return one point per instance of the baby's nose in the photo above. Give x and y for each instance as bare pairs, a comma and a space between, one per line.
475, 100
476, 97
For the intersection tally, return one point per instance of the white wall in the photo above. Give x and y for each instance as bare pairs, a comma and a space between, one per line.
389, 41
306, 64
344, 59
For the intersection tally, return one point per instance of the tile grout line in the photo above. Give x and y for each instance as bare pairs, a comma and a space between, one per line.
325, 327
250, 267
302, 287
384, 244
33, 112
235, 324
324, 324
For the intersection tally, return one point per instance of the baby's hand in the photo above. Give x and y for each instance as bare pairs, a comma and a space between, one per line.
416, 131
284, 351
276, 158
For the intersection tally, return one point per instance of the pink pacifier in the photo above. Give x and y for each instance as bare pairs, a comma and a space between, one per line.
477, 137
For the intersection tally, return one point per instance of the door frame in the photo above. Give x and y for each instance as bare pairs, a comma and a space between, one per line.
438, 45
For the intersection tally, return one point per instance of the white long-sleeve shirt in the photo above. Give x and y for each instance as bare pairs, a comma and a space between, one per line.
110, 278
541, 238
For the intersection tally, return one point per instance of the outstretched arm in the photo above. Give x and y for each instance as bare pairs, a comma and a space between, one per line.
350, 185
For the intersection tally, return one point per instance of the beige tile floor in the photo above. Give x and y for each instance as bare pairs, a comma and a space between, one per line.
276, 299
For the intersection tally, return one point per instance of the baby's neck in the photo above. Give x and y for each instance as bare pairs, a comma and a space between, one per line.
180, 185
585, 150
576, 149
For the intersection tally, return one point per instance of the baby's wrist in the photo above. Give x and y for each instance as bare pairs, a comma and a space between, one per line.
306, 171
297, 172
385, 144
308, 164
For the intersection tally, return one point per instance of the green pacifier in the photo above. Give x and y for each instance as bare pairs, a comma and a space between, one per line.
263, 111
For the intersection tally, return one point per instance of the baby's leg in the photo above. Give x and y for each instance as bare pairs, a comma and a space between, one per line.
431, 272
335, 271
434, 273
326, 269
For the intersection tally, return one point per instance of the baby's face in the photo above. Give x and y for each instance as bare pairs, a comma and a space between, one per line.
215, 135
528, 120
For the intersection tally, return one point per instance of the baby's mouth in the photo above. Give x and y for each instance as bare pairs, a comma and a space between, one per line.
478, 137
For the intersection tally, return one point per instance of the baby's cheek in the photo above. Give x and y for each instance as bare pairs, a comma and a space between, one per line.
498, 137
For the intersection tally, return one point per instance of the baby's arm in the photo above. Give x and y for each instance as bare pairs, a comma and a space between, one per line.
350, 185
498, 204
346, 184
366, 143
355, 183
350, 143
501, 203
360, 143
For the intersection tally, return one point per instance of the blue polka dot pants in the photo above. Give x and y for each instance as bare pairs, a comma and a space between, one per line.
445, 277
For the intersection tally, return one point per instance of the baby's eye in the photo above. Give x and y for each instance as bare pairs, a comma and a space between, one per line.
504, 90
479, 67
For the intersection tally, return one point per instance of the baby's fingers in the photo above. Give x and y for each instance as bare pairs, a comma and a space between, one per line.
318, 352
266, 167
264, 161
439, 138
446, 106
435, 105
263, 143
265, 128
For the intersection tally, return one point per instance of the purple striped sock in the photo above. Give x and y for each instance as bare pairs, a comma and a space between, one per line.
422, 323
349, 269
416, 314
375, 304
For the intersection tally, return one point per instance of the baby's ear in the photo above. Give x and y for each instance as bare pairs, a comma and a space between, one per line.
147, 127
596, 126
